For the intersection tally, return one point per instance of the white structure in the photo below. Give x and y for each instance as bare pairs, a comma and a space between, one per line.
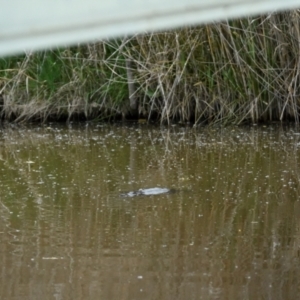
36, 24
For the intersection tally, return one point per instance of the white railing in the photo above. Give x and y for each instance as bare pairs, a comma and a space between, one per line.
36, 24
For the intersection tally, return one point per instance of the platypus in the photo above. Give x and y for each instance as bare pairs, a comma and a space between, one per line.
148, 192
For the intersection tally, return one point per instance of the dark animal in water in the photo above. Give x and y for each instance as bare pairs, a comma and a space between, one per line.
148, 192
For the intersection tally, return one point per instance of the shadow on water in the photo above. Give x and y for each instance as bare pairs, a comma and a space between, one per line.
230, 231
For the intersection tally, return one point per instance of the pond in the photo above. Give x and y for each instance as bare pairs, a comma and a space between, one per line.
227, 225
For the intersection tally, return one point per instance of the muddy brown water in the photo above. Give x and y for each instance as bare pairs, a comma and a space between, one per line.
230, 231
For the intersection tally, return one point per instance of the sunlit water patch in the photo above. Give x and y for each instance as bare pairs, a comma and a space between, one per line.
225, 227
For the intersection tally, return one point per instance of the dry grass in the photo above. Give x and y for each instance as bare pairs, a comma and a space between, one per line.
230, 72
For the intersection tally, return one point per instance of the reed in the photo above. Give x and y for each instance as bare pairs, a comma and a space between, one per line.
244, 70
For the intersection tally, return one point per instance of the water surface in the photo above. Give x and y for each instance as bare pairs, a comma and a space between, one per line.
230, 231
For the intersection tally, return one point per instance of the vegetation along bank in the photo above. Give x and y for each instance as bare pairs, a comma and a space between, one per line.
244, 70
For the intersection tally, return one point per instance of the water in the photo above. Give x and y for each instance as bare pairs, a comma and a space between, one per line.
229, 229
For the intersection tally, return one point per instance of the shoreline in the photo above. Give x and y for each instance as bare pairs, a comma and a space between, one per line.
230, 73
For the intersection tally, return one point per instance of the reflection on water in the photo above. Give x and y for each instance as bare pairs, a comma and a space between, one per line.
229, 231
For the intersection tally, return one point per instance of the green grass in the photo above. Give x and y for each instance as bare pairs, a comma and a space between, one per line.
244, 70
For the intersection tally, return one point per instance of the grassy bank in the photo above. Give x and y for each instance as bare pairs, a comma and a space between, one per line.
230, 72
